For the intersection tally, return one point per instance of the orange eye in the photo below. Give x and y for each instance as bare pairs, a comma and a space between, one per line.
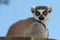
45, 13
37, 13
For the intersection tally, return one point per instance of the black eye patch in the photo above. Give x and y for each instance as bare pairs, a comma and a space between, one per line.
45, 13
37, 13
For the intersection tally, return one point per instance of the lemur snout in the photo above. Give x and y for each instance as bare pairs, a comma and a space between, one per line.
41, 17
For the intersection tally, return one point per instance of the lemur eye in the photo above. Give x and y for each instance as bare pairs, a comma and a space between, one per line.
37, 13
45, 13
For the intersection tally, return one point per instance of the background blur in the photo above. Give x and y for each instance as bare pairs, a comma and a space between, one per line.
20, 9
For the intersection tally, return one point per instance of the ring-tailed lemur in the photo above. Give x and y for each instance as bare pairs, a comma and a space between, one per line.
32, 27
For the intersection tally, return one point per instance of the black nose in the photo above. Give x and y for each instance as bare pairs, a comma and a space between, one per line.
41, 18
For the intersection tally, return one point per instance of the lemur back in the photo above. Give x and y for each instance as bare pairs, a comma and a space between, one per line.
27, 28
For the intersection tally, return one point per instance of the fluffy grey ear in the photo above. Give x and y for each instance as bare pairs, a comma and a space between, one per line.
32, 9
49, 9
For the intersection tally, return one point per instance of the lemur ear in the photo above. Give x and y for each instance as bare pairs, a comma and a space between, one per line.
32, 9
49, 9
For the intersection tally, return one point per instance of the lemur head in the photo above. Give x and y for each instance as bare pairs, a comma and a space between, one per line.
41, 13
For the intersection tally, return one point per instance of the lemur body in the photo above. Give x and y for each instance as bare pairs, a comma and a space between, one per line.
32, 27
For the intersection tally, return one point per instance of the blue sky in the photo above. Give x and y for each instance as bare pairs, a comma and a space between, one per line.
20, 9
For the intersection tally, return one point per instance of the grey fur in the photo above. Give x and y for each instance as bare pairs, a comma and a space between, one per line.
40, 31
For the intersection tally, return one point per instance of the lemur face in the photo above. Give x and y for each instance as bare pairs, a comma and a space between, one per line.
41, 12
